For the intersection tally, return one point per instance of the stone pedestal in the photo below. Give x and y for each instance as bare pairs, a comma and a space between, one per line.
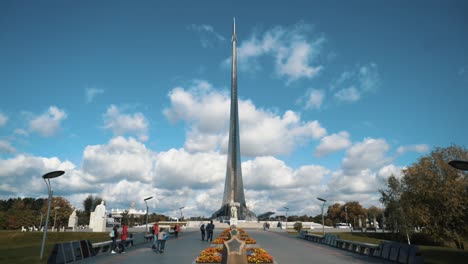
73, 220
97, 220
234, 252
233, 221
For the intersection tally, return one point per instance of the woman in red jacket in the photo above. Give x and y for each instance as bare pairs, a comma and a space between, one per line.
123, 238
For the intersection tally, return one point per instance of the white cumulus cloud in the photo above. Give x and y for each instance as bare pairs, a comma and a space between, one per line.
122, 124
333, 143
6, 147
208, 36
91, 93
368, 154
3, 119
262, 132
121, 158
314, 99
48, 123
294, 51
420, 148
352, 85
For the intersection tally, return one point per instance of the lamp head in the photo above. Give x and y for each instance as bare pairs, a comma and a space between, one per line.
182, 208
53, 174
286, 208
320, 199
146, 199
459, 164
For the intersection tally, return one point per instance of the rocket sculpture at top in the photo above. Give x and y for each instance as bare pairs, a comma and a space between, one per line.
234, 205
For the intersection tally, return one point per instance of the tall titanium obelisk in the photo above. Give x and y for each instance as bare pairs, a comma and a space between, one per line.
234, 205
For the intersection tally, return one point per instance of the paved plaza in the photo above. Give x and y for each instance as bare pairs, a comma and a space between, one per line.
285, 248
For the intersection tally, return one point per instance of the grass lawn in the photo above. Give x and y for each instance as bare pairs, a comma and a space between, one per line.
25, 247
431, 254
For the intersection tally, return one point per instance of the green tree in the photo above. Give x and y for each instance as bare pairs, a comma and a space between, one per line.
355, 211
298, 226
431, 194
375, 212
334, 213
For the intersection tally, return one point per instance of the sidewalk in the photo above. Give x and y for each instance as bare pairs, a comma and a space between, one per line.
285, 249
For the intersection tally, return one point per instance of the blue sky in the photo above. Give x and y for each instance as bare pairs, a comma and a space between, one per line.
132, 99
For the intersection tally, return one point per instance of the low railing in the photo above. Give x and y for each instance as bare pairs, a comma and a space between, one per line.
390, 251
358, 247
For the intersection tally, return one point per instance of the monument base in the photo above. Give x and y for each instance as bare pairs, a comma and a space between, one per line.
223, 214
233, 221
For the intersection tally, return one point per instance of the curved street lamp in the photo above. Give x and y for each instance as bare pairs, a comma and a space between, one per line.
181, 212
47, 177
459, 164
287, 209
323, 218
146, 199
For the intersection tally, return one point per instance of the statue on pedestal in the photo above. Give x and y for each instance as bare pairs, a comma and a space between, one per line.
73, 220
233, 212
97, 220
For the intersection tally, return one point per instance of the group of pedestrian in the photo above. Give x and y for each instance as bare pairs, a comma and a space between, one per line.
114, 234
207, 230
159, 238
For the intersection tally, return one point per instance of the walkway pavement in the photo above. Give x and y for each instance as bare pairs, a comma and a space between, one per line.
285, 248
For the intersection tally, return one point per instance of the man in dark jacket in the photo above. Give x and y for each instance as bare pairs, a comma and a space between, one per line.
202, 229
209, 230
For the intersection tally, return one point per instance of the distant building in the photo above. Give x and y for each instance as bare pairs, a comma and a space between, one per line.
115, 215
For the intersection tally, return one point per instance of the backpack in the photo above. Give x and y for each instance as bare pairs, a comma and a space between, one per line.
202, 227
111, 234
162, 235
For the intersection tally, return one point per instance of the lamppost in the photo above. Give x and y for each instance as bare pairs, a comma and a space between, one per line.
146, 199
181, 212
40, 224
346, 214
55, 217
47, 177
287, 209
323, 218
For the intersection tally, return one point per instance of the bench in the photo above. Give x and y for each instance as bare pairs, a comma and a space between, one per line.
358, 247
400, 253
106, 246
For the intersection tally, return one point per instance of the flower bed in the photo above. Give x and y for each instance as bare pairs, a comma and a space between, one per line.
254, 255
247, 240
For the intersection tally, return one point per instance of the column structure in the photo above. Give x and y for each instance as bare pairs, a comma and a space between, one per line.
234, 206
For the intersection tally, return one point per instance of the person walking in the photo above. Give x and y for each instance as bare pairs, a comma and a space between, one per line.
209, 229
176, 230
123, 238
202, 230
155, 235
114, 234
162, 237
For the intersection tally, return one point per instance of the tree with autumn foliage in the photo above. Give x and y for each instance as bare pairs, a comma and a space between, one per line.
431, 195
63, 213
336, 213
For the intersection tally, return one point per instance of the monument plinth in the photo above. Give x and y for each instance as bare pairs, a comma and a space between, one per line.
97, 220
73, 220
233, 187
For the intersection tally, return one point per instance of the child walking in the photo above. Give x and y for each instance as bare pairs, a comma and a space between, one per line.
162, 237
